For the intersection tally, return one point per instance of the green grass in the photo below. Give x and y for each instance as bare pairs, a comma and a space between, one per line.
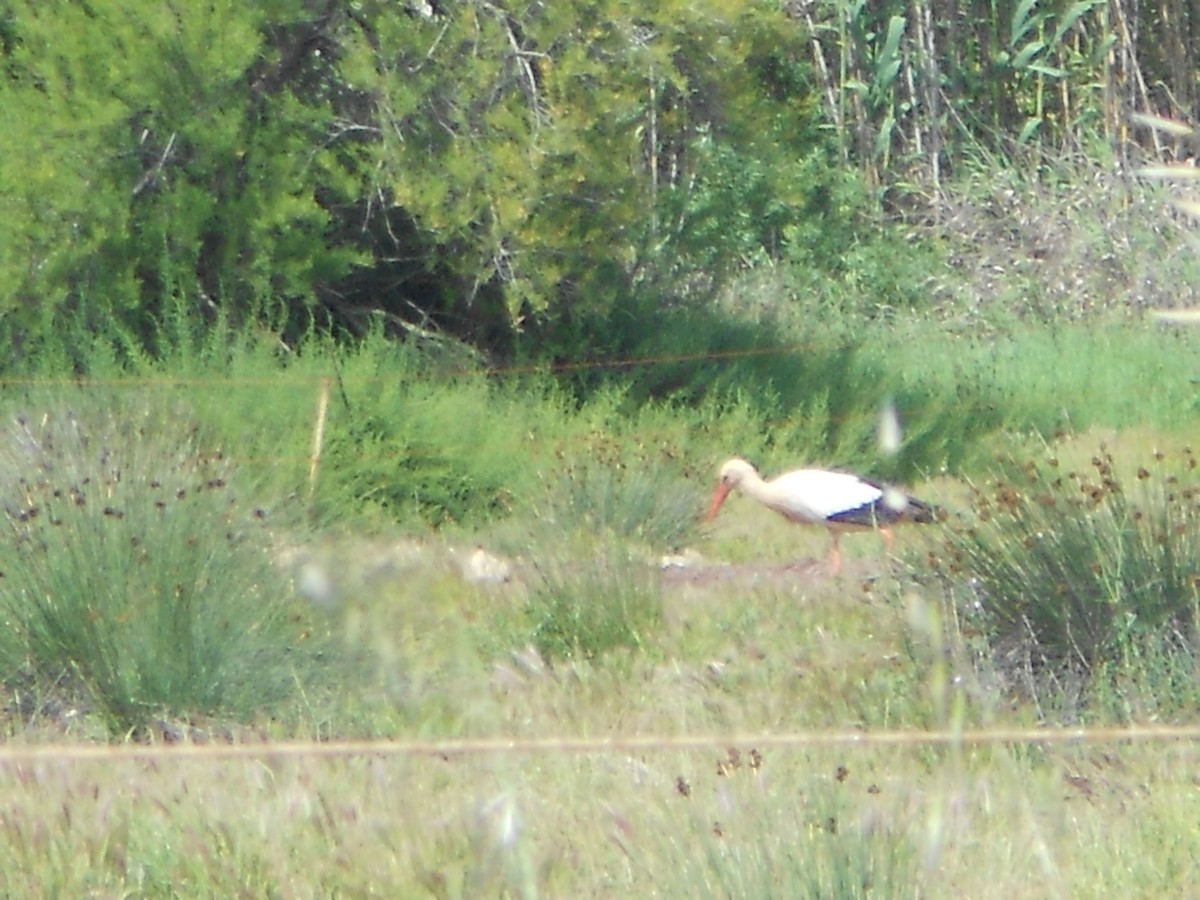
138, 581
1044, 379
733, 819
726, 657
1067, 562
583, 493
590, 603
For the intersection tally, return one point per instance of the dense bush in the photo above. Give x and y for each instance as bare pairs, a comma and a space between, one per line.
159, 157
465, 168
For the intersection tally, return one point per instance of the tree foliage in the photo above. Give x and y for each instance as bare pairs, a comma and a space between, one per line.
568, 158
467, 165
160, 156
487, 168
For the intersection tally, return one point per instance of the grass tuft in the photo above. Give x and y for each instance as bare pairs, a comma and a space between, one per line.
137, 579
588, 605
830, 849
1075, 567
640, 501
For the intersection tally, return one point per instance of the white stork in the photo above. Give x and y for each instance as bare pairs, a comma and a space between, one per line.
837, 500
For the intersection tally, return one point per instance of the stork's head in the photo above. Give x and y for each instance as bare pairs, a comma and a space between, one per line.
733, 473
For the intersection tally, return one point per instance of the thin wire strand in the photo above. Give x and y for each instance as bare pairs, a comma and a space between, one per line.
17, 755
291, 379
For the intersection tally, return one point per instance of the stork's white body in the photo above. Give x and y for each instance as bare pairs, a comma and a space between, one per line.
837, 500
812, 496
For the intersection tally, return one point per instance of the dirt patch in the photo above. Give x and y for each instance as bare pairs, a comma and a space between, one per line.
808, 571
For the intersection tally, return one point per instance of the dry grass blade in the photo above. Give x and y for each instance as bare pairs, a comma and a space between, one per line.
1171, 126
1191, 207
1170, 172
1178, 316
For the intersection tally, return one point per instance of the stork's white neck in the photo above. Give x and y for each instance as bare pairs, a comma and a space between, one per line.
753, 486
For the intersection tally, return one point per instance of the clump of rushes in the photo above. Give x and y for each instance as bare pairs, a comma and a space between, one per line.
1073, 566
637, 494
584, 607
136, 580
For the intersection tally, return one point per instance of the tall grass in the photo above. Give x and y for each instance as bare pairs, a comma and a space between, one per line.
1027, 378
587, 604
1082, 564
830, 849
138, 581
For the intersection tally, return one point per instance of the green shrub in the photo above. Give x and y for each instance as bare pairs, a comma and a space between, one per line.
419, 449
137, 576
149, 155
585, 606
1073, 568
851, 258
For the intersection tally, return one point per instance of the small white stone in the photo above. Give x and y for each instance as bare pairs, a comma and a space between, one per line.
314, 582
482, 567
685, 560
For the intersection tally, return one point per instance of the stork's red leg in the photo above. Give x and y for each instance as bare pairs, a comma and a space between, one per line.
835, 552
889, 539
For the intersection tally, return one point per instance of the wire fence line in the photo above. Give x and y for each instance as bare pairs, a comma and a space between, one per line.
322, 385
183, 751
432, 373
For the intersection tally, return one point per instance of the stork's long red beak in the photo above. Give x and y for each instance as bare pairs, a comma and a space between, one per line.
718, 498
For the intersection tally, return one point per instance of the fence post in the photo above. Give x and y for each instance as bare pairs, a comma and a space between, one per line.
318, 436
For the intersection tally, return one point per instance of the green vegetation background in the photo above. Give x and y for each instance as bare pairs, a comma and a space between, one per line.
547, 266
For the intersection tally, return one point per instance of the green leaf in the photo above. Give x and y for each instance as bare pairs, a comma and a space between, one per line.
1024, 19
1048, 71
1029, 129
887, 62
1073, 15
884, 139
1027, 53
